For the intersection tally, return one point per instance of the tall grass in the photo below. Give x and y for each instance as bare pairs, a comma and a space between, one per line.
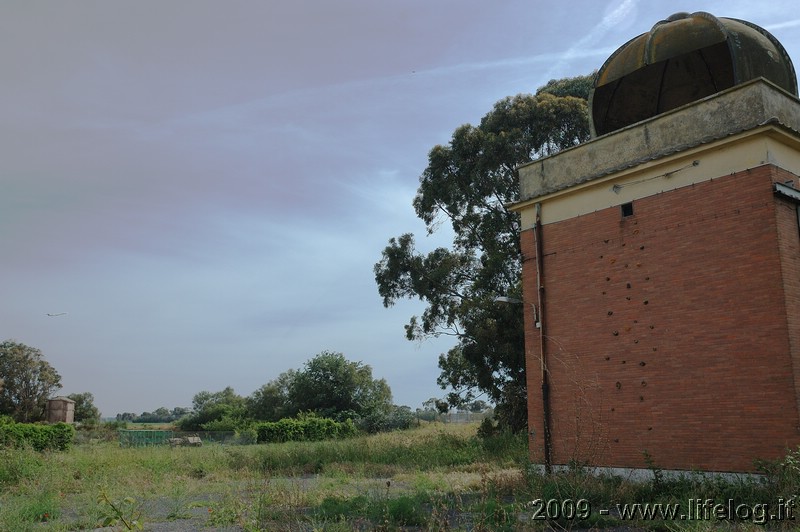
60, 491
433, 477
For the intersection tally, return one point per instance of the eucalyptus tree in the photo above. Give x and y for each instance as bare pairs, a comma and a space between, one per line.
467, 184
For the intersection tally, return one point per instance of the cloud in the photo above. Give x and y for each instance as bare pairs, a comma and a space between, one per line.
205, 190
783, 25
617, 15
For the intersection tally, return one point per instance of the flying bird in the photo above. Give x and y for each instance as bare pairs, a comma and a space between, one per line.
57, 314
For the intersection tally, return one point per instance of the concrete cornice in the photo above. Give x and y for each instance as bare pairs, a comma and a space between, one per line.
728, 113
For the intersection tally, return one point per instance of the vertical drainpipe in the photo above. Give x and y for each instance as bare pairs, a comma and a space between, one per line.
537, 234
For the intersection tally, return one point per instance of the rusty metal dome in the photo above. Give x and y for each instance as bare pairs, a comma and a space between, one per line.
680, 60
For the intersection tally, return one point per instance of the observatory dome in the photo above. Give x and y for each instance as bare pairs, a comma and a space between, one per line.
681, 60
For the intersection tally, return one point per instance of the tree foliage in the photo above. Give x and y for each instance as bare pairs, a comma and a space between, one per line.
85, 410
218, 411
467, 184
159, 415
327, 386
332, 386
28, 381
271, 401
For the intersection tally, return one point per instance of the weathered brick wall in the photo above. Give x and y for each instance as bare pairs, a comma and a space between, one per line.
667, 332
786, 214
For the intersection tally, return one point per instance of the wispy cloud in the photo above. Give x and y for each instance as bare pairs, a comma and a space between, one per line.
783, 25
613, 17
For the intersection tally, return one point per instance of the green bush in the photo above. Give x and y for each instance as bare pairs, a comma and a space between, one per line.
246, 436
487, 428
225, 424
395, 418
304, 428
56, 437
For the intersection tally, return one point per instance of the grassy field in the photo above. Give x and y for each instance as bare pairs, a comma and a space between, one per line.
433, 477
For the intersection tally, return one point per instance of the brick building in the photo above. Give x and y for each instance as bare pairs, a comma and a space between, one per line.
661, 267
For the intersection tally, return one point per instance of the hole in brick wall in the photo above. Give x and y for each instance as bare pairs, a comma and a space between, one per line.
626, 209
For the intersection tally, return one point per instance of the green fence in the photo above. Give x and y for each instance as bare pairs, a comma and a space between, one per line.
143, 438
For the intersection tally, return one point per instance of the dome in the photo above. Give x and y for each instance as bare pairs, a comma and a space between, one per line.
681, 60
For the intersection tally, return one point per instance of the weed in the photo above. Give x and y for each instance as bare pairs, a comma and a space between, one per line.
493, 514
658, 473
225, 513
404, 511
198, 472
782, 477
177, 501
18, 464
123, 511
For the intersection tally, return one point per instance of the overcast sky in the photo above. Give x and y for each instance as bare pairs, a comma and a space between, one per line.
204, 187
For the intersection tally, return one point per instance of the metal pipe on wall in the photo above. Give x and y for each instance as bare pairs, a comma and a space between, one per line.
547, 437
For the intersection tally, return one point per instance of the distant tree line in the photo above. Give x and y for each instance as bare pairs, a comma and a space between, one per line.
328, 386
159, 415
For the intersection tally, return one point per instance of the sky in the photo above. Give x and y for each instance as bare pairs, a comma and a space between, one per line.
199, 190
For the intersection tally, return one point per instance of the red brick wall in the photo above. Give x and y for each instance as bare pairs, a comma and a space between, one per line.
667, 332
789, 244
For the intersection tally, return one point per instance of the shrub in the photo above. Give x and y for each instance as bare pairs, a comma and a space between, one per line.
306, 427
487, 428
56, 437
225, 424
396, 418
246, 436
782, 477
